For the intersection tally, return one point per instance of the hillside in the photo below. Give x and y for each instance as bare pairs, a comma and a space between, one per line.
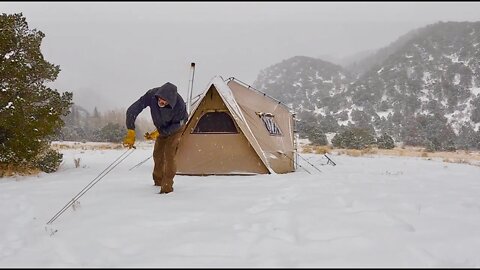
422, 89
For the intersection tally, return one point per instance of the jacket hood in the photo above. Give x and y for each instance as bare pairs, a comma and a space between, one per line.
168, 91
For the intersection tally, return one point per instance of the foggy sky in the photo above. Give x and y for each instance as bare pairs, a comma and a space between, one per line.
111, 53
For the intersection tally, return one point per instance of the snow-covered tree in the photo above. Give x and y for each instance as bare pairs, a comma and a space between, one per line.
29, 110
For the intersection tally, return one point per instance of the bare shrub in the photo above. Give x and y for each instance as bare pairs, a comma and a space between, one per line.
77, 162
7, 170
76, 205
456, 160
307, 149
323, 149
369, 150
354, 152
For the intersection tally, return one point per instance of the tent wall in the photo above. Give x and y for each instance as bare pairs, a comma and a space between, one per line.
278, 149
205, 154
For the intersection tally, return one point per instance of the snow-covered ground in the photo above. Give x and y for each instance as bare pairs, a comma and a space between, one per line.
365, 212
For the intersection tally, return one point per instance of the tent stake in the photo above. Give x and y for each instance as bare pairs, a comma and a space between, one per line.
329, 160
92, 183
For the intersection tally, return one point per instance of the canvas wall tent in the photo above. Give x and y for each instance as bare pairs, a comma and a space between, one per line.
235, 129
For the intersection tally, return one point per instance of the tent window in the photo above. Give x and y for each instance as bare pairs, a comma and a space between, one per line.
270, 123
215, 122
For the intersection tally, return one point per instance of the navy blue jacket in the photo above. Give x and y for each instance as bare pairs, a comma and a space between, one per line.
168, 119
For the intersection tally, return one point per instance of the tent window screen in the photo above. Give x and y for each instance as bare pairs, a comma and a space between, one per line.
215, 122
270, 123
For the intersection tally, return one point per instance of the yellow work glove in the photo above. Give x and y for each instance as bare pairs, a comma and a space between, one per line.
129, 140
151, 136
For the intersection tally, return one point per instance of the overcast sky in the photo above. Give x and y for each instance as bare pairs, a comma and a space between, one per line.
111, 53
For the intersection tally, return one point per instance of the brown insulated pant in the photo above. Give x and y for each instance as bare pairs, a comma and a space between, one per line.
165, 166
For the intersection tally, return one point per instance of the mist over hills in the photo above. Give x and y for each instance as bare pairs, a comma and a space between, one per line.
423, 87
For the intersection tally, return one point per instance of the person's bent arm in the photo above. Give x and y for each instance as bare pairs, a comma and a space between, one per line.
135, 109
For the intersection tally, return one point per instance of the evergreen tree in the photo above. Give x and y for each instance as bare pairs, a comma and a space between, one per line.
476, 141
466, 137
112, 133
475, 117
96, 119
413, 133
437, 129
449, 146
361, 118
353, 138
385, 142
317, 136
329, 124
30, 112
96, 114
306, 124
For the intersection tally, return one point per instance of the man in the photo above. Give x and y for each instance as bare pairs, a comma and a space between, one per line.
169, 116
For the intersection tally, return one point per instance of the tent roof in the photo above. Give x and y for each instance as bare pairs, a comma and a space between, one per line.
229, 99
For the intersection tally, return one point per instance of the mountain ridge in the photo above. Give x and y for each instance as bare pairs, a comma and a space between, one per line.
430, 74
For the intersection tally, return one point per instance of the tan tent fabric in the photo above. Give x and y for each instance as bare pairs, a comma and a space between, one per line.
278, 149
251, 149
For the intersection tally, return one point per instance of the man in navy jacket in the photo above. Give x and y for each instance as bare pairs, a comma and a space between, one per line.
169, 116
